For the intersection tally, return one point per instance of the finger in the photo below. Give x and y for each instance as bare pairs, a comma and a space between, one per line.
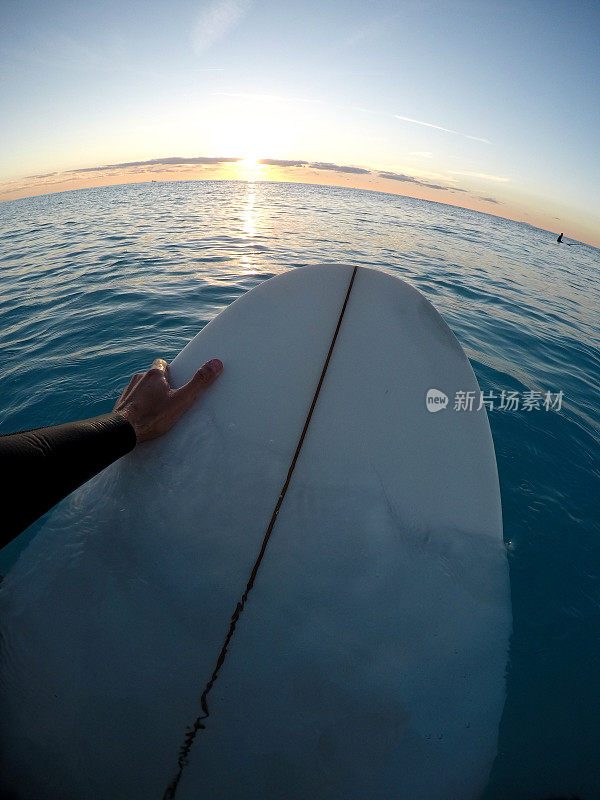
133, 383
160, 367
130, 386
161, 364
207, 373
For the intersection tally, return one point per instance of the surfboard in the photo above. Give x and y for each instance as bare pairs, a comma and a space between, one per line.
300, 591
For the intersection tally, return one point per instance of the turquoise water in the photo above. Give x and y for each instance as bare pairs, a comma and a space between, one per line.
95, 284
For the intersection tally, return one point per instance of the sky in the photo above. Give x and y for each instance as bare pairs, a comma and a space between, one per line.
490, 105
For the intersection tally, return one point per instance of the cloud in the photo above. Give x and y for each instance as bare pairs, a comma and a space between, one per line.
175, 163
339, 168
395, 176
368, 30
173, 160
440, 128
271, 98
216, 20
360, 109
38, 177
484, 175
282, 162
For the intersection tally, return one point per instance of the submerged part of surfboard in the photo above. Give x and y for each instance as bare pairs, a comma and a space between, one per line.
369, 657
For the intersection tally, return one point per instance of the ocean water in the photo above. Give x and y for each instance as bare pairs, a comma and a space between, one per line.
95, 284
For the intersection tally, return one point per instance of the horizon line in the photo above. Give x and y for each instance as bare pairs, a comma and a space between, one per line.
293, 183
292, 171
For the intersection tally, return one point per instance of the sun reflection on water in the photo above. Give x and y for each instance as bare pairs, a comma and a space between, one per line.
249, 212
251, 221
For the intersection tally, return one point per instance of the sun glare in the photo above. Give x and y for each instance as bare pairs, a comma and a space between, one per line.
251, 162
249, 168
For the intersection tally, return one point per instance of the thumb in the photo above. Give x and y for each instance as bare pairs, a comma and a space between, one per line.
207, 373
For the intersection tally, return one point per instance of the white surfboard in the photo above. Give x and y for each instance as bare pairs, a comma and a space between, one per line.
354, 536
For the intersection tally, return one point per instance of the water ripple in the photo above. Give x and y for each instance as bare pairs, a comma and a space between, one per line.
95, 283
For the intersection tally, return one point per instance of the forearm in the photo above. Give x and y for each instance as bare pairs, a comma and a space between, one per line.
42, 466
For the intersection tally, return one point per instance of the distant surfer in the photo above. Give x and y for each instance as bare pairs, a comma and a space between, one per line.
569, 244
42, 466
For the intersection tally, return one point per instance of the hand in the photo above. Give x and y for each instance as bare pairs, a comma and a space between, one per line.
152, 406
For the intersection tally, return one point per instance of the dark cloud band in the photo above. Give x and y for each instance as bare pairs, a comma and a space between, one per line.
282, 162
399, 176
175, 161
166, 162
339, 168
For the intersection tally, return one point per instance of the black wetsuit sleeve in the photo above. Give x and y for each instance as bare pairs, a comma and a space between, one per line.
40, 467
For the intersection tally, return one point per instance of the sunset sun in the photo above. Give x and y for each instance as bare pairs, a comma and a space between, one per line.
249, 168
